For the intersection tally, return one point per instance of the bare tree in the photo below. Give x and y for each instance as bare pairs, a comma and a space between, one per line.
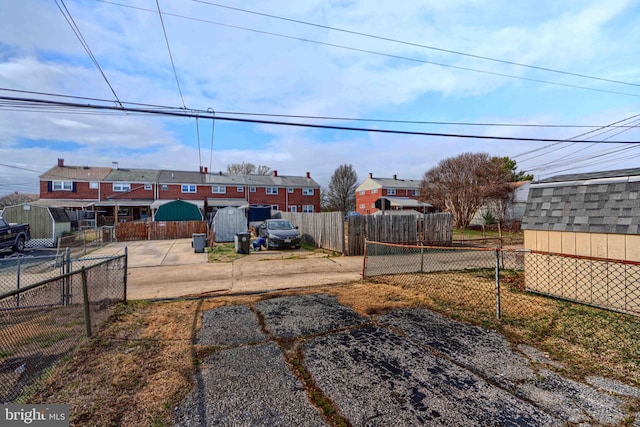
461, 185
16, 199
341, 195
263, 170
248, 169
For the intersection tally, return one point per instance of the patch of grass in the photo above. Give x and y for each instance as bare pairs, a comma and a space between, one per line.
223, 252
508, 238
44, 340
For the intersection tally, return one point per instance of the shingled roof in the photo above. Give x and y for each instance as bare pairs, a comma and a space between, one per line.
599, 202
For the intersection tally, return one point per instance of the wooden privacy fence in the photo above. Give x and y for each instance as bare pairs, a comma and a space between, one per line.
160, 230
323, 230
329, 230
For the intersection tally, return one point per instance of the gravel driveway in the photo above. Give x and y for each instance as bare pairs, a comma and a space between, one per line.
404, 367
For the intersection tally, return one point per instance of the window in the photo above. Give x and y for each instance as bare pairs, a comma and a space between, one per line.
121, 187
362, 192
362, 205
62, 186
218, 189
290, 190
391, 191
252, 189
374, 191
189, 188
307, 208
164, 187
293, 208
240, 189
415, 192
307, 191
148, 187
274, 207
93, 185
272, 190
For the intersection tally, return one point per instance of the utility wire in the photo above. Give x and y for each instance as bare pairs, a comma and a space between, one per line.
203, 114
164, 30
569, 158
85, 45
331, 118
575, 137
454, 52
372, 52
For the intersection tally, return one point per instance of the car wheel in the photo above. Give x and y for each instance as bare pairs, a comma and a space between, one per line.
19, 246
297, 246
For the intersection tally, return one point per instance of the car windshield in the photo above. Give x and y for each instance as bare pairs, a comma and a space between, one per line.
280, 225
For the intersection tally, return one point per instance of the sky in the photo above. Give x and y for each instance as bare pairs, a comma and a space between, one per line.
451, 72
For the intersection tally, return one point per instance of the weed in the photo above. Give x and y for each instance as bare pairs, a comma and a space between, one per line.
223, 252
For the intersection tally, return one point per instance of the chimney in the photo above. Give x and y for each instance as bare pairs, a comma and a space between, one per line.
115, 165
206, 170
275, 173
395, 177
308, 174
201, 170
370, 175
60, 163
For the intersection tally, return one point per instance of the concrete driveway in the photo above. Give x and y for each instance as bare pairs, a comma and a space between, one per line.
170, 269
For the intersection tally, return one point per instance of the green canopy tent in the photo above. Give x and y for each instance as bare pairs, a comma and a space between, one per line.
178, 210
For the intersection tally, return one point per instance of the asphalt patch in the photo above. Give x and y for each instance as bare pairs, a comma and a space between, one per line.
299, 316
230, 326
248, 386
404, 367
380, 378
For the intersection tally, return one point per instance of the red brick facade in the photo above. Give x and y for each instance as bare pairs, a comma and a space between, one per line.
70, 183
372, 189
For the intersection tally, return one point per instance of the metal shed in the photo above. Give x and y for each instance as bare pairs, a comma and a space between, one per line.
47, 223
178, 210
228, 222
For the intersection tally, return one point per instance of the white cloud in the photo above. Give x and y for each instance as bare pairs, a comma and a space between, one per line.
229, 69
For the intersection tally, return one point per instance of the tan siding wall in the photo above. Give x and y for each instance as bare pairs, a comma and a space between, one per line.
613, 246
602, 283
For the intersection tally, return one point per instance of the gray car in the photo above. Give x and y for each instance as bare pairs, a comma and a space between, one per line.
279, 233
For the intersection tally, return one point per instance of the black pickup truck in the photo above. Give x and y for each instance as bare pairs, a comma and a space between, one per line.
13, 236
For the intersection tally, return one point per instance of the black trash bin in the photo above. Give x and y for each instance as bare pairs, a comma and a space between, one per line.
242, 242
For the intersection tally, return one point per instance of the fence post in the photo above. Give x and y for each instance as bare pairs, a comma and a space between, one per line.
18, 284
421, 258
124, 279
364, 259
497, 253
67, 281
85, 297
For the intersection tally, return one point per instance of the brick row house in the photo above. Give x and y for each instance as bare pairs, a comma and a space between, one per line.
124, 194
375, 195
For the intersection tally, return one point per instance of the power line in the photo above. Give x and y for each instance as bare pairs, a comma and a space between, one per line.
372, 36
85, 45
204, 114
330, 118
569, 140
372, 52
170, 55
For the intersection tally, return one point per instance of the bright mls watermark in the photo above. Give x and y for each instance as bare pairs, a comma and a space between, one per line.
34, 415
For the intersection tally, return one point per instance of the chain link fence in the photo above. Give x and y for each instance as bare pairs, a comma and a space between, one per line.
43, 322
542, 298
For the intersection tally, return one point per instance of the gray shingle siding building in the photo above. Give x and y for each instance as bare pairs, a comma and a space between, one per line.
599, 202
584, 236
